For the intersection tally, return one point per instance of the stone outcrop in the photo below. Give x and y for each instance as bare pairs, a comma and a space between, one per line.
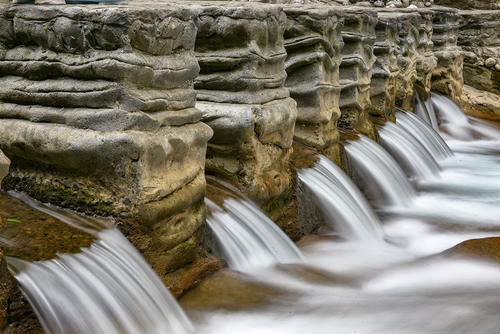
97, 114
241, 92
356, 68
426, 61
313, 42
4, 167
481, 103
479, 39
407, 58
447, 76
385, 70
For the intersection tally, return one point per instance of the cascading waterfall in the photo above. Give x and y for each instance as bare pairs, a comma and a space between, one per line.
341, 202
425, 134
108, 288
248, 238
380, 174
411, 155
425, 110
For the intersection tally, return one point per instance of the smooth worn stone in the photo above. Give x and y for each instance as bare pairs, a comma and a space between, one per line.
313, 41
485, 249
356, 69
4, 167
97, 115
482, 104
490, 62
242, 95
447, 76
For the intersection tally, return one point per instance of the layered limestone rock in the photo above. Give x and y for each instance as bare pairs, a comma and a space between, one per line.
407, 57
385, 70
313, 42
97, 114
447, 77
479, 39
426, 61
356, 68
4, 167
241, 52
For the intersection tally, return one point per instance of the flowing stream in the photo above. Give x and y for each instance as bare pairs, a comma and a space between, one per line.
430, 185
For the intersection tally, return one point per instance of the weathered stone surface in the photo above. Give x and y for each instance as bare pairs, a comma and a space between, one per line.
397, 3
356, 68
240, 48
407, 57
469, 4
482, 104
385, 70
479, 39
313, 42
4, 167
447, 77
97, 114
485, 249
426, 61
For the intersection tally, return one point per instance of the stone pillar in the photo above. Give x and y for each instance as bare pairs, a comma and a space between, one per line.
356, 69
240, 48
426, 61
97, 115
447, 77
407, 58
386, 69
313, 42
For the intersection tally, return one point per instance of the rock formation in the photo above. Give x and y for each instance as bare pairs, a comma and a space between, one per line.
426, 61
479, 39
97, 114
356, 68
385, 70
447, 77
313, 42
241, 51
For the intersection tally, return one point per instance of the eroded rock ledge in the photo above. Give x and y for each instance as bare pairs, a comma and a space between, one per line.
97, 109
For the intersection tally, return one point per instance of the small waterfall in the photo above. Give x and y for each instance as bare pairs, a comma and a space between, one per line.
411, 155
425, 110
248, 237
380, 173
425, 134
108, 288
460, 126
341, 201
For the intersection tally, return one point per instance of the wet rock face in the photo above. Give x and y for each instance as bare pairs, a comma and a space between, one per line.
479, 39
241, 93
447, 77
356, 68
313, 42
4, 167
97, 113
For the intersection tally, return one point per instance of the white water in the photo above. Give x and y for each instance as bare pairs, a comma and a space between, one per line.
248, 237
400, 287
381, 176
341, 202
425, 134
108, 288
410, 153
